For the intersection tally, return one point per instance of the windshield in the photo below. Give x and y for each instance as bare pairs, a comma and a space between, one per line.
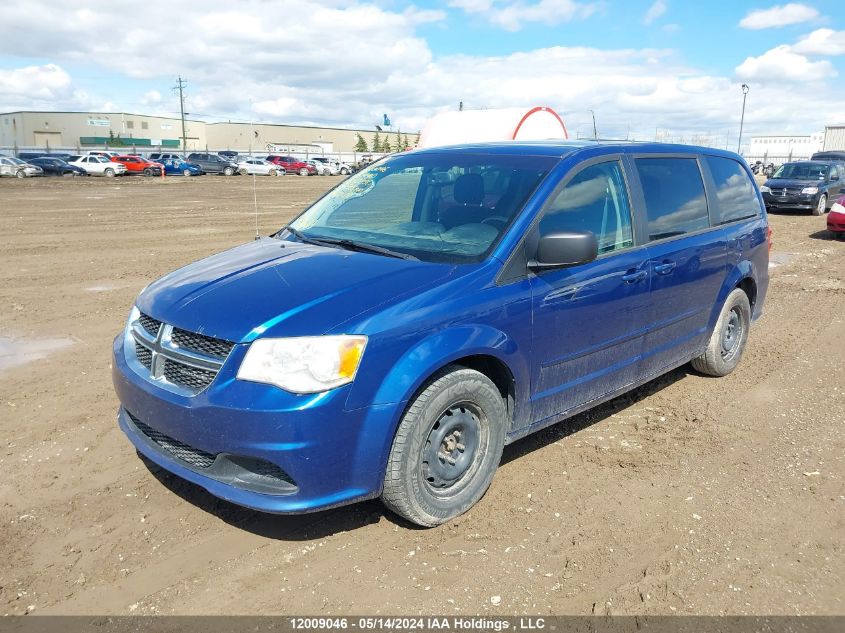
803, 171
17, 161
444, 207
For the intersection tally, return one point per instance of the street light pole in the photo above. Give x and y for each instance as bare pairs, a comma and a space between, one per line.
595, 132
742, 118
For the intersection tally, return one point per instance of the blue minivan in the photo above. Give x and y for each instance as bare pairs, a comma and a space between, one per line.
434, 307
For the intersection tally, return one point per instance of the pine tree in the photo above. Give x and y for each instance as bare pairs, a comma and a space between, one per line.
399, 147
417, 141
405, 143
385, 146
376, 143
361, 145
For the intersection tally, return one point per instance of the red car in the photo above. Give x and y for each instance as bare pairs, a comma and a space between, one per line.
138, 165
292, 165
836, 217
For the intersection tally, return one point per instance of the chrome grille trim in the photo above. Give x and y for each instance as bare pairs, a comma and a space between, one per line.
187, 368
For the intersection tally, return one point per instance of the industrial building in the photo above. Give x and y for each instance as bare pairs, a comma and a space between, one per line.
784, 147
89, 130
834, 137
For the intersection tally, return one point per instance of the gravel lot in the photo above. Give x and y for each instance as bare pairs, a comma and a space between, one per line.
690, 495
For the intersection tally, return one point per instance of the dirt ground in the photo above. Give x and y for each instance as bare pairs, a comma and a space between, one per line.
690, 495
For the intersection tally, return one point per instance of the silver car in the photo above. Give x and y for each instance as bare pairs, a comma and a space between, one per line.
10, 166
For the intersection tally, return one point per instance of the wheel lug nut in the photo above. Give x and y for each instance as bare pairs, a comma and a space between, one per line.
461, 447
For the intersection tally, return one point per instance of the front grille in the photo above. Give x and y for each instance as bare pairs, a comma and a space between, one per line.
144, 355
187, 375
216, 347
180, 450
150, 324
186, 360
787, 191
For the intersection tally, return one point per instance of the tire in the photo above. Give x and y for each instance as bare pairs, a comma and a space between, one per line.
242, 171
821, 206
281, 172
109, 172
228, 171
20, 173
148, 172
344, 171
186, 172
727, 342
457, 407
303, 172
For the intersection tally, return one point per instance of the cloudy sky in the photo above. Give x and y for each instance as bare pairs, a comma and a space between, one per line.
671, 68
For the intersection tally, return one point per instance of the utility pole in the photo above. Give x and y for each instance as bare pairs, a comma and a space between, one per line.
182, 83
595, 132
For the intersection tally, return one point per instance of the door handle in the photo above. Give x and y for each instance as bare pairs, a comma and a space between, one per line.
664, 268
634, 276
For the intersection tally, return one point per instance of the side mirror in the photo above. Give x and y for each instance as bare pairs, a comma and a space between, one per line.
569, 248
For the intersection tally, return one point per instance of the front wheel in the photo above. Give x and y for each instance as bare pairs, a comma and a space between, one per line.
447, 447
303, 172
148, 172
20, 173
821, 206
109, 173
344, 171
228, 171
727, 342
186, 172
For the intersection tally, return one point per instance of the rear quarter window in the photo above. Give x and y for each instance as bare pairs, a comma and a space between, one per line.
735, 195
674, 196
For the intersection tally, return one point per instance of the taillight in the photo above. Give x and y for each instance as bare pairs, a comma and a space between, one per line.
769, 237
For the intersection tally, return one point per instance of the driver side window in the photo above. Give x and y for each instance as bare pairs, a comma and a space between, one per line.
595, 200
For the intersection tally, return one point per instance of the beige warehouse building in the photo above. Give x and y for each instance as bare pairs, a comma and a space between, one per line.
89, 130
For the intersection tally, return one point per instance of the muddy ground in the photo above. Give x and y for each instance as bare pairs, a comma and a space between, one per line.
690, 495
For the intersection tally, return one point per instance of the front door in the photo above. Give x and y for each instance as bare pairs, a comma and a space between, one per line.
589, 319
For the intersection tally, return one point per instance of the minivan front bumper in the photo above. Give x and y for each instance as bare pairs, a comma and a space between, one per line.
256, 445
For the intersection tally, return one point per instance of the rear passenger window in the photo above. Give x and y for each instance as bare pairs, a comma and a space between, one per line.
674, 196
734, 191
594, 200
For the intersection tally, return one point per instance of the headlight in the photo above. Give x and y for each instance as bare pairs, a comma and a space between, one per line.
307, 364
765, 189
810, 190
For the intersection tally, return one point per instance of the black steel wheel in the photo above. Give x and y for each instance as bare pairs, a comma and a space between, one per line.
447, 447
729, 336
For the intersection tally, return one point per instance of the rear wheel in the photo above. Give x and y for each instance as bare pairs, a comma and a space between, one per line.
821, 206
447, 447
109, 172
727, 342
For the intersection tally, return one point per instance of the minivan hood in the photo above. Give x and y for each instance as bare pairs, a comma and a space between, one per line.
278, 288
794, 182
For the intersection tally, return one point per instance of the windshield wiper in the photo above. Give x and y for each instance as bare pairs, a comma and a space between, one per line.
366, 248
348, 244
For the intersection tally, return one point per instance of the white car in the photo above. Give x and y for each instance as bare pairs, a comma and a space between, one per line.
335, 167
95, 165
260, 167
10, 166
321, 167
103, 152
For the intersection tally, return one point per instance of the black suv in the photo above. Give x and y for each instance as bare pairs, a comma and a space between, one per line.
805, 184
214, 164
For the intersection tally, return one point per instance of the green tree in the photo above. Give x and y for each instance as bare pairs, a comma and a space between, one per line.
399, 147
417, 141
405, 142
376, 143
114, 141
361, 145
385, 145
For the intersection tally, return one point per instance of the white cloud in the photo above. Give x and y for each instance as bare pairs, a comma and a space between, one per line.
821, 42
781, 64
655, 11
152, 97
512, 15
346, 63
777, 16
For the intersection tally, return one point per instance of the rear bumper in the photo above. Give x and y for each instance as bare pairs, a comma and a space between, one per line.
255, 445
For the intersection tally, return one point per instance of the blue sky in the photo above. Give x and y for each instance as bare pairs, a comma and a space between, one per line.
646, 68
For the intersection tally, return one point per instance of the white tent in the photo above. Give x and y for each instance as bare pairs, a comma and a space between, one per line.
506, 124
